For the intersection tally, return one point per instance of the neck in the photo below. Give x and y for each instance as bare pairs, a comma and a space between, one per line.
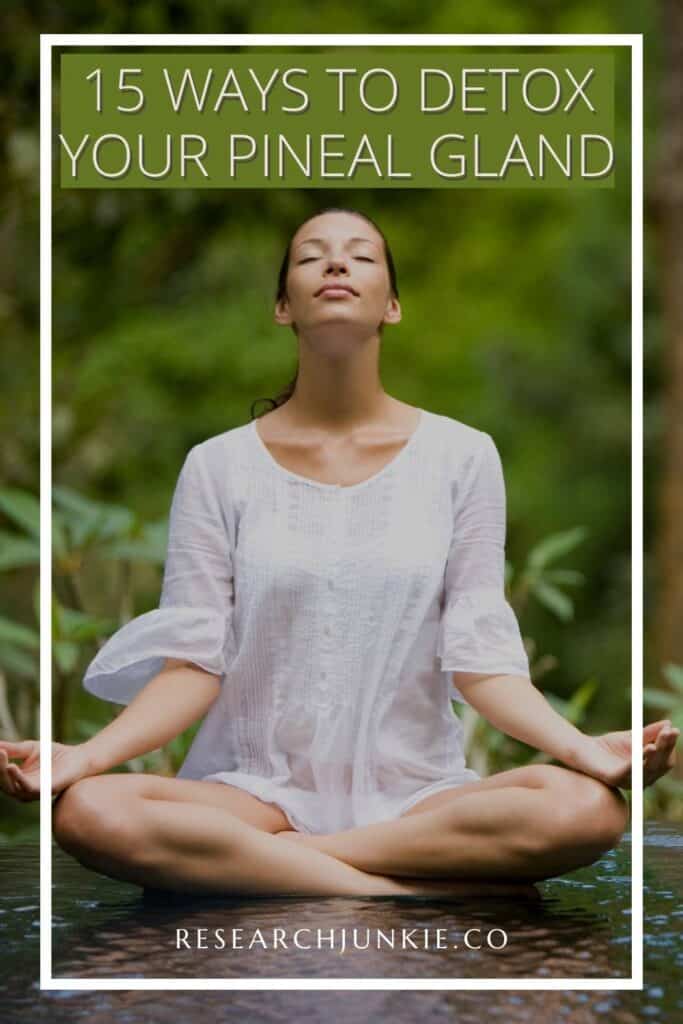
339, 390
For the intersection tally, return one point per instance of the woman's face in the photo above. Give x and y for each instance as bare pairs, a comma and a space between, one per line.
337, 275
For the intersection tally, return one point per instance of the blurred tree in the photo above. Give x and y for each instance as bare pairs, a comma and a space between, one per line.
668, 619
516, 319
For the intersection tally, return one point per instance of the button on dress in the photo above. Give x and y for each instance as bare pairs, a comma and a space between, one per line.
335, 617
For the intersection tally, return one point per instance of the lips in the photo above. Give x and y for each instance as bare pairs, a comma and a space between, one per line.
336, 288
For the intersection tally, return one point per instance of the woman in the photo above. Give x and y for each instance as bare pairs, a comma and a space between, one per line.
334, 575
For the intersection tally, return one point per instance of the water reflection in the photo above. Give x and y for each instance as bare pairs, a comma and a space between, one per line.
579, 928
398, 938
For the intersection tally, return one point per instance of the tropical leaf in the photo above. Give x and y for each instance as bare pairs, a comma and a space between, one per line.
554, 546
17, 634
14, 660
16, 551
569, 577
88, 520
76, 626
60, 545
66, 654
150, 546
658, 698
22, 507
578, 703
553, 599
674, 675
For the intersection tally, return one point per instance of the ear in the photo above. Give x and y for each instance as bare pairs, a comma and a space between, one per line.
392, 313
282, 315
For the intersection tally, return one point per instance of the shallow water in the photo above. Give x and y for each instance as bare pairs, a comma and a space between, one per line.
579, 927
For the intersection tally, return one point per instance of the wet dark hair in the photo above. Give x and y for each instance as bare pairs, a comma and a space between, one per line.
288, 391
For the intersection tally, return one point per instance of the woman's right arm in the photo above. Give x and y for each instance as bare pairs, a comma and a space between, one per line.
167, 664
169, 703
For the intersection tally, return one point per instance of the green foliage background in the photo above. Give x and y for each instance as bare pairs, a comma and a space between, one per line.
516, 319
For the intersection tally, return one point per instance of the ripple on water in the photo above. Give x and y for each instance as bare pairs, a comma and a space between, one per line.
580, 928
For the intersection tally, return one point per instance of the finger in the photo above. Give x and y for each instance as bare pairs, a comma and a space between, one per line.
655, 753
17, 748
5, 781
23, 788
651, 770
27, 786
665, 750
652, 728
16, 774
658, 731
649, 764
663, 740
654, 766
655, 770
5, 757
666, 742
8, 783
19, 788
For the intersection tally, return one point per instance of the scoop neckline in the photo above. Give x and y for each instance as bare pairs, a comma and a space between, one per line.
282, 470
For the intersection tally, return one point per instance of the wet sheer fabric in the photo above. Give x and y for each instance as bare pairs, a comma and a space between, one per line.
335, 617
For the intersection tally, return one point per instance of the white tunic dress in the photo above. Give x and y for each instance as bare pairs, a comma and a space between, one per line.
335, 616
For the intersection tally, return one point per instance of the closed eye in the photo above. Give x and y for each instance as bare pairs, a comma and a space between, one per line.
309, 259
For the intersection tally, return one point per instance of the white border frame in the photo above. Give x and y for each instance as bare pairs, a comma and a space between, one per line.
47, 41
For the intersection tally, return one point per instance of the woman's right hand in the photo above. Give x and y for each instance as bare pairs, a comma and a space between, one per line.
69, 763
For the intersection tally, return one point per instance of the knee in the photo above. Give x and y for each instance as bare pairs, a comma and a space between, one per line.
609, 812
87, 818
591, 817
75, 815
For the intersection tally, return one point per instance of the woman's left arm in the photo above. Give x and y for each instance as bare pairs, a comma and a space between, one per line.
516, 707
479, 642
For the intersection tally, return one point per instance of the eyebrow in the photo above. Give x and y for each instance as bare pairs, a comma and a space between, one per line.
322, 240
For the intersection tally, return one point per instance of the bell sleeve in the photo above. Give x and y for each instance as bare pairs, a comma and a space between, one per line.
194, 619
478, 629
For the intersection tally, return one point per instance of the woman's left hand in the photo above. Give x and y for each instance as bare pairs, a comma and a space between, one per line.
608, 757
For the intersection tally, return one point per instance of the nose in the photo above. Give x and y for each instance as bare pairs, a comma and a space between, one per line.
335, 264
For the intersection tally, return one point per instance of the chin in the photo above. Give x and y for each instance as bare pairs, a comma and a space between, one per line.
350, 323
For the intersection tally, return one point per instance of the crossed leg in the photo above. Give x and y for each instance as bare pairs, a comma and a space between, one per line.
528, 823
522, 825
193, 836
